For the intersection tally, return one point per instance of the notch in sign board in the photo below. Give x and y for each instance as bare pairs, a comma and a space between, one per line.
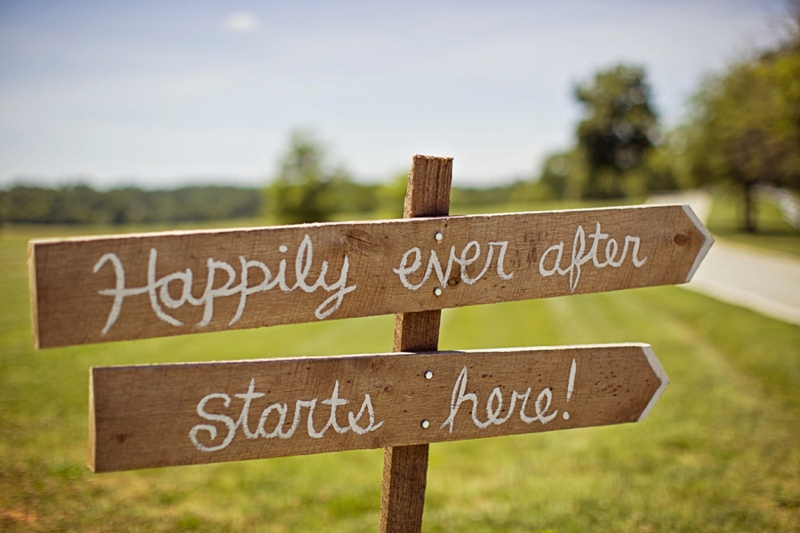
181, 414
100, 289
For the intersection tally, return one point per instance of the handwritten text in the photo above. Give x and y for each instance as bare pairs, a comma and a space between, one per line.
469, 255
494, 405
280, 410
580, 257
158, 289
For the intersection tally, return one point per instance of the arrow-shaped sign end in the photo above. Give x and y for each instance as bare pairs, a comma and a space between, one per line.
709, 240
655, 364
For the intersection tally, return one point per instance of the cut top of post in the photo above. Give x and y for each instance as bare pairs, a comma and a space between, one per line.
429, 197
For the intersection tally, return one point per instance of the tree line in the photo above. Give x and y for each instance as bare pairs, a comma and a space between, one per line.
742, 131
328, 199
81, 204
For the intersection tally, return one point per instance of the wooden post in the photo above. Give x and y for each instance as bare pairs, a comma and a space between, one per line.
405, 468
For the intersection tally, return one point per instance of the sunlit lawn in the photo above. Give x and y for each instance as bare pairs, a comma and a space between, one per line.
720, 451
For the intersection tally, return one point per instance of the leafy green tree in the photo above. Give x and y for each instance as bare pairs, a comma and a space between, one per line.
619, 128
347, 196
302, 190
746, 127
563, 175
391, 196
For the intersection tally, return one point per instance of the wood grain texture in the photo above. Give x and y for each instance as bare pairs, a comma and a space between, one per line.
428, 190
145, 416
69, 276
405, 468
405, 479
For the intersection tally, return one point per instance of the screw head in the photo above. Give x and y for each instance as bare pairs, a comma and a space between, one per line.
438, 236
428, 374
437, 291
425, 424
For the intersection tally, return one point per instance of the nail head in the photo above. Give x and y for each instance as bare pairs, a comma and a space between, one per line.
425, 424
437, 291
428, 374
438, 236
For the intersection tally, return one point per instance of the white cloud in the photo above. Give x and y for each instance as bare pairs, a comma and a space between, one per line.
242, 23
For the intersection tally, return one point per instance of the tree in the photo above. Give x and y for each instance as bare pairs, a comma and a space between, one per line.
391, 196
746, 127
301, 190
563, 175
619, 129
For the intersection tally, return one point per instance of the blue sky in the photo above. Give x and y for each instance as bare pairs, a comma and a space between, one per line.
165, 93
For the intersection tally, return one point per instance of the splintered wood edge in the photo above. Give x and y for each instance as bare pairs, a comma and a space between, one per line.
709, 240
319, 358
253, 229
655, 364
92, 428
33, 294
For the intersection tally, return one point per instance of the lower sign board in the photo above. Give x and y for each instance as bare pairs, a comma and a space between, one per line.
193, 413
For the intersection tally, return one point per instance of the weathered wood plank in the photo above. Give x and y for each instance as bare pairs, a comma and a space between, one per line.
98, 289
405, 468
181, 414
405, 478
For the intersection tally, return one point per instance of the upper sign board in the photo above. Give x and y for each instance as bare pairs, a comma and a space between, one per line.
98, 289
193, 413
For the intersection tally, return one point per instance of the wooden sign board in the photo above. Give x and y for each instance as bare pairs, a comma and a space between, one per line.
182, 414
98, 289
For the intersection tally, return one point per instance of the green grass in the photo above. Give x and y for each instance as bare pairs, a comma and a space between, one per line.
773, 233
720, 451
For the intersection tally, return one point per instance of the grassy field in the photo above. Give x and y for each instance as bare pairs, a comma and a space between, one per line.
720, 451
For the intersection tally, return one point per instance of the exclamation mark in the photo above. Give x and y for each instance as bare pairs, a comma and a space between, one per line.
570, 386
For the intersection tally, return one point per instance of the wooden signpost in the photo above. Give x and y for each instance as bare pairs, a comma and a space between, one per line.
99, 289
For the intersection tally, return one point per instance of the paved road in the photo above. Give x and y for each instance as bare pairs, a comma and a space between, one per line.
767, 282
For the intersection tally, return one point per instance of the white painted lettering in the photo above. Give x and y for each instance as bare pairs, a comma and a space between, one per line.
281, 409
580, 257
494, 405
174, 290
468, 256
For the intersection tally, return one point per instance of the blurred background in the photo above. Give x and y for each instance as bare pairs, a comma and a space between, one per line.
322, 104
153, 115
